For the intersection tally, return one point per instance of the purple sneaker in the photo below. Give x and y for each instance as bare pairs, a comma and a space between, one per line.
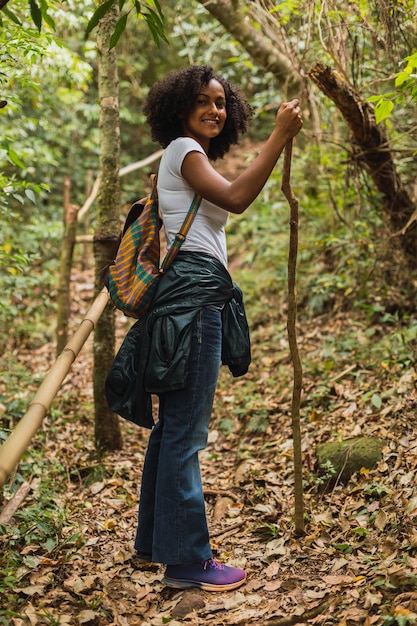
208, 575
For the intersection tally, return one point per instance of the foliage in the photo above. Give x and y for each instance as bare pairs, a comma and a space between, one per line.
405, 83
364, 43
38, 12
50, 121
44, 81
42, 527
149, 10
45, 88
28, 278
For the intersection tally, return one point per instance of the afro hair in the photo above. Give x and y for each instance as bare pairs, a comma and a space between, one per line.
175, 95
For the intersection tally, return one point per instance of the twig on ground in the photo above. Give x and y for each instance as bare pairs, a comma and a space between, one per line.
222, 493
224, 532
14, 503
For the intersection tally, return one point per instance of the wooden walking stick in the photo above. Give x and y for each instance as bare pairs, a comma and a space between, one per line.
292, 339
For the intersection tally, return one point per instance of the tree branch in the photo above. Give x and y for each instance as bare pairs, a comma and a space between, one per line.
370, 147
237, 24
292, 338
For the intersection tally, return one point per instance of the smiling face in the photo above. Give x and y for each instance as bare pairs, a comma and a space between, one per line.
207, 118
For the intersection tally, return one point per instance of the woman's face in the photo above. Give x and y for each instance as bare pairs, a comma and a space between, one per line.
207, 118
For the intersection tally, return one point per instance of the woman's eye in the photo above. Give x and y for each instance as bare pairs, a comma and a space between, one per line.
203, 102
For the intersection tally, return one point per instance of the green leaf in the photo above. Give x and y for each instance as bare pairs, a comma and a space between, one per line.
156, 26
376, 401
343, 547
412, 59
401, 78
97, 15
383, 110
157, 19
158, 6
50, 544
45, 15
36, 14
390, 94
11, 16
30, 194
14, 158
120, 27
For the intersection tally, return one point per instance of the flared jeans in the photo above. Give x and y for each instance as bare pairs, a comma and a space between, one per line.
172, 523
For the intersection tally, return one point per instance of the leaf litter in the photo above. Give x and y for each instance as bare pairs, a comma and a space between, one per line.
356, 563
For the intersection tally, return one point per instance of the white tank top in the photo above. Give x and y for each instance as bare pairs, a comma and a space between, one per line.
175, 195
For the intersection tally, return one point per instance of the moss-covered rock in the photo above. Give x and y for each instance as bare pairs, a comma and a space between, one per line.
339, 460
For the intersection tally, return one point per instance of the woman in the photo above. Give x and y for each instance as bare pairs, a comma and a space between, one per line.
196, 115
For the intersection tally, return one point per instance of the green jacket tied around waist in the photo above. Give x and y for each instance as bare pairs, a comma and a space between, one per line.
154, 355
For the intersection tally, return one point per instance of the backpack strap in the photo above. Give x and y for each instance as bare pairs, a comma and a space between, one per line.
181, 235
137, 208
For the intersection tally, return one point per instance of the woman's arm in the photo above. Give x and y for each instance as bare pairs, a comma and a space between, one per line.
236, 196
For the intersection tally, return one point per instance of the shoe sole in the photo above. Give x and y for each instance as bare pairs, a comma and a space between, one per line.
139, 560
178, 583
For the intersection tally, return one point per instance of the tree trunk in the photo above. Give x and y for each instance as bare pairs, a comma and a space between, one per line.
65, 266
107, 429
370, 147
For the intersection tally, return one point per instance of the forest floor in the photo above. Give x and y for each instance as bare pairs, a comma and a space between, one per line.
356, 562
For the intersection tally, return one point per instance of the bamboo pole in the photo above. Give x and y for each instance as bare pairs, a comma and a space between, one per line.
14, 447
292, 339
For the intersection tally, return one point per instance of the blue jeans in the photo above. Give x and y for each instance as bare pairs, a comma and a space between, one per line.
172, 522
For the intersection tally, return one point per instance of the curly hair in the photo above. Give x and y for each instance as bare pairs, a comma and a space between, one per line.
176, 94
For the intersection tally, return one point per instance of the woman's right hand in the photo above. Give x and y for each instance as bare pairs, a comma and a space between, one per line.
288, 121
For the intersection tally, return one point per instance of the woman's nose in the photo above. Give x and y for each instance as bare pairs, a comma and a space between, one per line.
213, 108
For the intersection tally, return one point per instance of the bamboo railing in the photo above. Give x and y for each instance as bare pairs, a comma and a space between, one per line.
15, 446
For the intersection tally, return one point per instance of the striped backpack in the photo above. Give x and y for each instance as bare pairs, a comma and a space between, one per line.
132, 277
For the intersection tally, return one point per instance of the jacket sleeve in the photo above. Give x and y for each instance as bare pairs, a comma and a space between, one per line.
123, 387
236, 349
